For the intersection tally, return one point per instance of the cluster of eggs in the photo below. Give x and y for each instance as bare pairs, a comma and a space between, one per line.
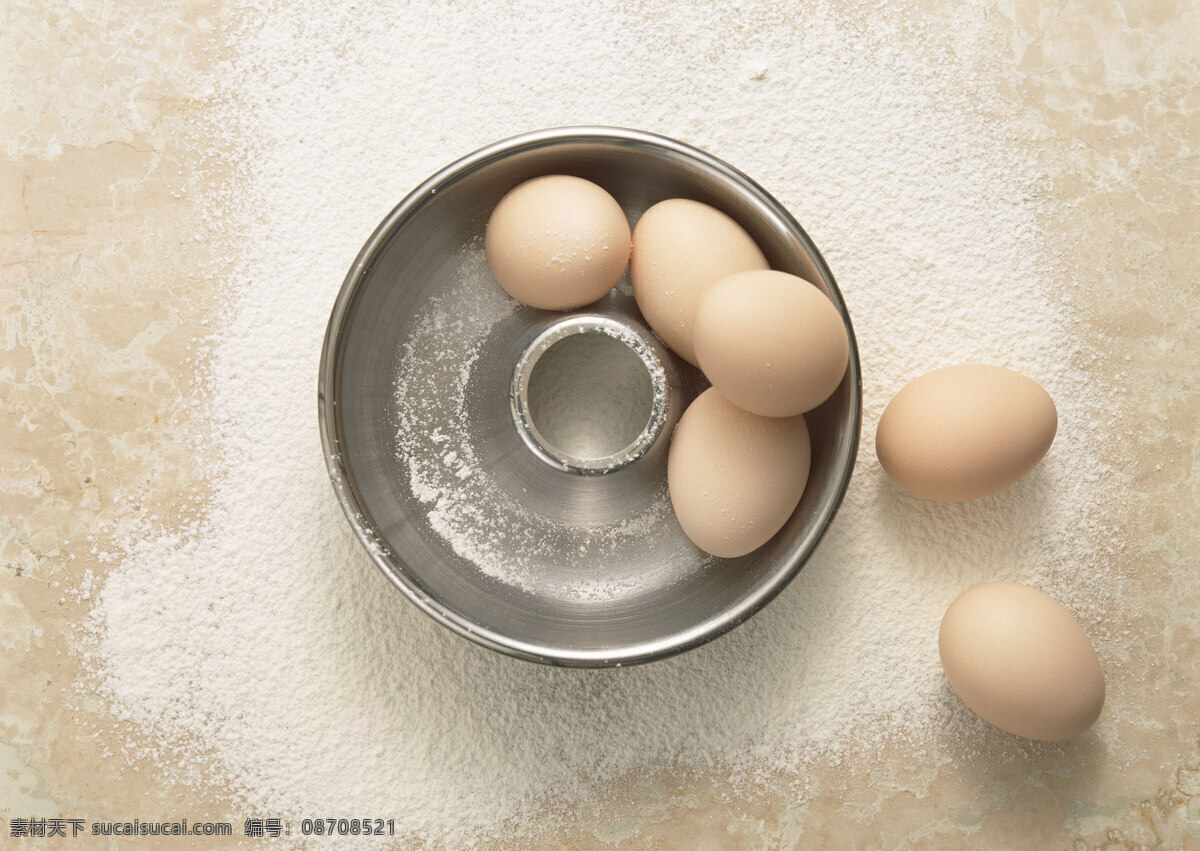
774, 347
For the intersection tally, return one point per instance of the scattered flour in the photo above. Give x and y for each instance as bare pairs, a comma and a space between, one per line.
465, 506
264, 644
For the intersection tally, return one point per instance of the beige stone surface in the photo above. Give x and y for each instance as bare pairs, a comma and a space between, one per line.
109, 279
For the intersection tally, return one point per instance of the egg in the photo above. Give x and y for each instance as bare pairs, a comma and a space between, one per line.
964, 432
680, 249
557, 242
735, 477
1021, 662
771, 342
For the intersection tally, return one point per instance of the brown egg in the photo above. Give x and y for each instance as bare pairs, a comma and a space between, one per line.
1021, 662
680, 249
964, 432
557, 242
735, 477
771, 342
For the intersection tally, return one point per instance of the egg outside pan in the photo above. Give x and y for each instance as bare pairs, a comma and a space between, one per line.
1019, 660
964, 432
676, 604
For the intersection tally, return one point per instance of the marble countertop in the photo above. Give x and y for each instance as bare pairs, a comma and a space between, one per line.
106, 292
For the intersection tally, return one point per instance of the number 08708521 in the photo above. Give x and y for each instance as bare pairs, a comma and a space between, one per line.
347, 827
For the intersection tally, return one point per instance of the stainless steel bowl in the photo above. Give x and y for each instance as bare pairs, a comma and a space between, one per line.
647, 594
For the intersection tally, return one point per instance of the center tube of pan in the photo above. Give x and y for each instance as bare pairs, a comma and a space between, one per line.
589, 395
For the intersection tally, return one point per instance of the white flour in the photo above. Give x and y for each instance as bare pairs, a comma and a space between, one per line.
466, 507
264, 644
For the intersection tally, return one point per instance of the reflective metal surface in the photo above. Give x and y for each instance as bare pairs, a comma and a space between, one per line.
665, 595
593, 393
